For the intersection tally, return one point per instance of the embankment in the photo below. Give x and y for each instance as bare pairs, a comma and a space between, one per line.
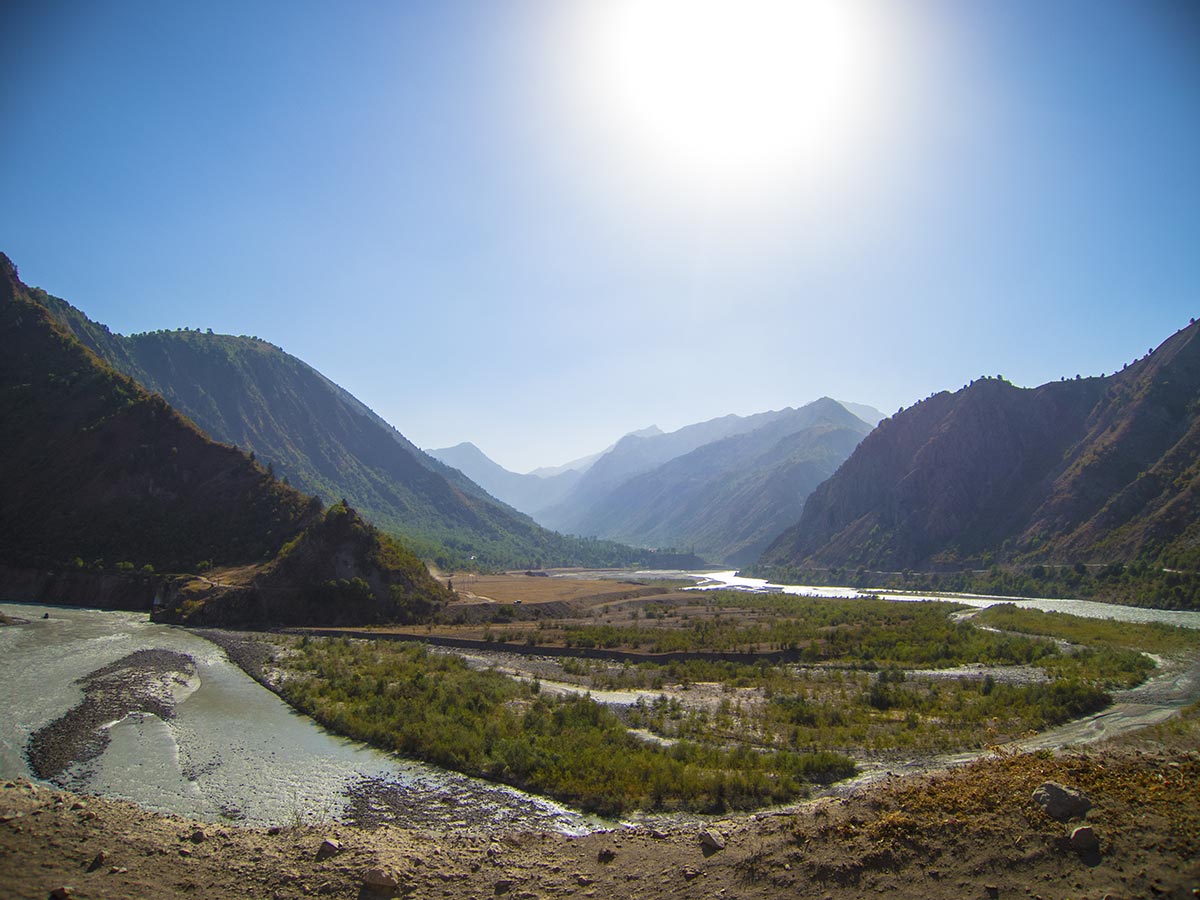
96, 590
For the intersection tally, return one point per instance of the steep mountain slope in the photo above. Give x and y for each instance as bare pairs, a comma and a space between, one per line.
527, 493
731, 497
100, 475
339, 571
1095, 470
97, 468
868, 414
247, 392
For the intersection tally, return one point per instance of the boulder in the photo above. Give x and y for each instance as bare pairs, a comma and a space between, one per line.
1084, 840
378, 878
1061, 802
711, 841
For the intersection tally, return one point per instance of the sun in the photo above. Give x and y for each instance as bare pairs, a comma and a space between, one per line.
730, 93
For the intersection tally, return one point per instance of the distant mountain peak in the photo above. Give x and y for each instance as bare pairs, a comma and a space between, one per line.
649, 431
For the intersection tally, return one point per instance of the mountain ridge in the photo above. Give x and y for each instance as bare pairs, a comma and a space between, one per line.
249, 393
1090, 471
730, 497
107, 486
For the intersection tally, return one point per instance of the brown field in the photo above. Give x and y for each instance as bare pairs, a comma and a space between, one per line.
520, 588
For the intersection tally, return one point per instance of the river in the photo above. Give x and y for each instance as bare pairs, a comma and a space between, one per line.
1090, 609
232, 751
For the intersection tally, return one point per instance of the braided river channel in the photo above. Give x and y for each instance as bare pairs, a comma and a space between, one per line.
219, 745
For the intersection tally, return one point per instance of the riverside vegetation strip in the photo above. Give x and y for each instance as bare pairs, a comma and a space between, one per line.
710, 735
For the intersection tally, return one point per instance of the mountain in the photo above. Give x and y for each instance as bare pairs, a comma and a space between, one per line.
1092, 471
730, 497
95, 467
527, 493
101, 476
249, 393
340, 570
581, 465
637, 453
868, 414
534, 491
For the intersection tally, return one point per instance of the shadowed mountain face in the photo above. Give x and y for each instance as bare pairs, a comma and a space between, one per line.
1093, 470
95, 467
249, 393
101, 476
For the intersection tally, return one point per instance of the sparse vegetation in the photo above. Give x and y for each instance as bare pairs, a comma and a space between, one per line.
857, 676
435, 708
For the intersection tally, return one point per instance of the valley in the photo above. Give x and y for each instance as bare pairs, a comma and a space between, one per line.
635, 449
441, 689
914, 823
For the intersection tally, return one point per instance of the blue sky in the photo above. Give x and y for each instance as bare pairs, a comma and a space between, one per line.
437, 206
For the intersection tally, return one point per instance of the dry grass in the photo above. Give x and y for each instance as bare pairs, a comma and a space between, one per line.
538, 589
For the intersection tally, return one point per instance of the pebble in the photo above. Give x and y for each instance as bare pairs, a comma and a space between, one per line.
329, 847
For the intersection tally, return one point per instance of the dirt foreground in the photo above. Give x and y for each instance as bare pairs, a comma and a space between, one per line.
975, 831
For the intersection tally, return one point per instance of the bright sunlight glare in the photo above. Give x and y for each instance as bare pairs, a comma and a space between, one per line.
734, 95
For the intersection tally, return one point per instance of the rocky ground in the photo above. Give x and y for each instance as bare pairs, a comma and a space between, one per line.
974, 831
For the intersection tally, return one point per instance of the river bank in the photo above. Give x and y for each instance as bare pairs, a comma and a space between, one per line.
972, 832
111, 704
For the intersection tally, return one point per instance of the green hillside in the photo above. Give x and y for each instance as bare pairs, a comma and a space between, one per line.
102, 476
305, 429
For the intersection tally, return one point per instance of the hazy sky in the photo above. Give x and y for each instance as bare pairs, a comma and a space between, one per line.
540, 224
